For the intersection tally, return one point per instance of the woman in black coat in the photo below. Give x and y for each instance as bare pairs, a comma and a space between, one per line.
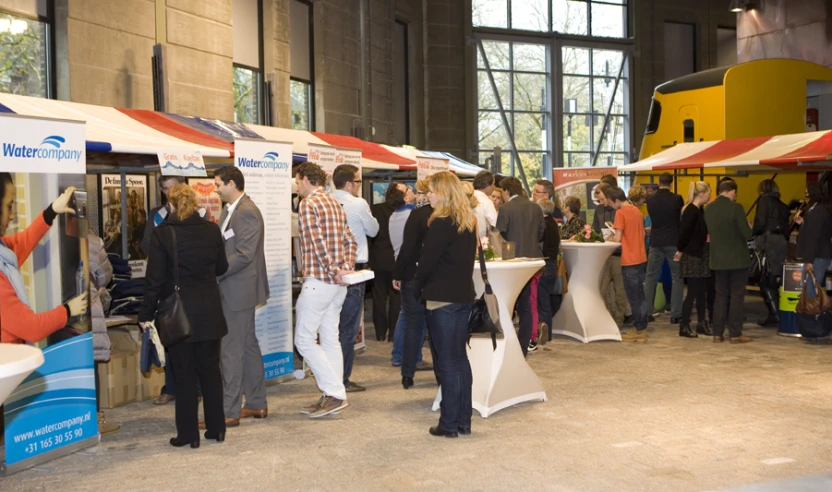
771, 229
444, 281
692, 251
201, 256
814, 244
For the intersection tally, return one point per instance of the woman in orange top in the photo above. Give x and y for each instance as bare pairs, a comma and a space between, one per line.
18, 323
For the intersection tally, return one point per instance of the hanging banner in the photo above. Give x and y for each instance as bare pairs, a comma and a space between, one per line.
181, 163
322, 155
348, 156
427, 166
207, 198
581, 182
39, 145
267, 168
52, 413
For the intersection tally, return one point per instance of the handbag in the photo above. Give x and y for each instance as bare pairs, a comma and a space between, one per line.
495, 240
562, 282
813, 306
485, 314
171, 319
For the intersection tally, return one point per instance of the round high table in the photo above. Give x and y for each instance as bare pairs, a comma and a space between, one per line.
16, 363
501, 377
583, 314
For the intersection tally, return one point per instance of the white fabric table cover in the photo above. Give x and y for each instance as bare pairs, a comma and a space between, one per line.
16, 363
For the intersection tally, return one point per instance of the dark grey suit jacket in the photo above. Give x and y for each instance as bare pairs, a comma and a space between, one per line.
520, 221
246, 284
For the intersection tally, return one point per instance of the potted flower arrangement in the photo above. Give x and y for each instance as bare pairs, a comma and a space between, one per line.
588, 236
487, 250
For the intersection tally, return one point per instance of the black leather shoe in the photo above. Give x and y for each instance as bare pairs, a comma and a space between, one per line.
407, 382
465, 431
219, 437
436, 431
675, 321
176, 442
704, 329
685, 331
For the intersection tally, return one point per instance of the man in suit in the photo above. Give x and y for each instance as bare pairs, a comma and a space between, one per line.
729, 232
243, 287
665, 210
521, 221
157, 216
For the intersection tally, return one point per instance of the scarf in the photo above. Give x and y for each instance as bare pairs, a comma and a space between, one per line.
8, 267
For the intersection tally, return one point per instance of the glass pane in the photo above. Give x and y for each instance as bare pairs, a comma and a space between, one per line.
22, 56
489, 13
487, 99
608, 20
576, 94
569, 17
529, 92
602, 94
532, 15
614, 136
245, 95
492, 133
532, 166
607, 63
301, 105
576, 134
575, 61
529, 131
608, 160
530, 57
497, 54
572, 159
504, 161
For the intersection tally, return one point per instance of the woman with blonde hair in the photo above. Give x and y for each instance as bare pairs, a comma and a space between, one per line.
195, 246
693, 255
444, 281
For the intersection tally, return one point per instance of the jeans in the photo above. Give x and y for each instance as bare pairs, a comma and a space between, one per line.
633, 277
524, 312
820, 265
317, 312
611, 274
448, 327
730, 287
655, 260
415, 329
696, 292
397, 356
349, 324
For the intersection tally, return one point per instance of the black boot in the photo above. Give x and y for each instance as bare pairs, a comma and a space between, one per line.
704, 329
685, 331
771, 299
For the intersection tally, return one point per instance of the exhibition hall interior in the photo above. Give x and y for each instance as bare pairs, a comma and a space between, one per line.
572, 245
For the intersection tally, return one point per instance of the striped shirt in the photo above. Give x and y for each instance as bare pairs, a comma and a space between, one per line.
325, 238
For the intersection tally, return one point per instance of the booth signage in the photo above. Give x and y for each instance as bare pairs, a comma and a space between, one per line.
52, 413
348, 156
428, 166
581, 182
266, 167
182, 163
33, 145
207, 197
322, 155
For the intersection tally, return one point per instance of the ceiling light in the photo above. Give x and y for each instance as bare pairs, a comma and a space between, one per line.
18, 26
741, 5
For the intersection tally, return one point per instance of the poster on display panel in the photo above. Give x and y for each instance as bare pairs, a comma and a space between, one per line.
428, 166
267, 168
207, 197
52, 413
581, 182
111, 210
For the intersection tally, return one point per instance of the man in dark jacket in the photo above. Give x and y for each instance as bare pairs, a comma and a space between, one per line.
521, 221
665, 210
729, 232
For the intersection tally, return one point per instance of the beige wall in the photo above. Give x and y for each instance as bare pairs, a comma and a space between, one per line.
786, 29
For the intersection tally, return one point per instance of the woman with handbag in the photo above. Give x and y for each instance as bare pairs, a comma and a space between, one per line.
814, 244
444, 281
187, 255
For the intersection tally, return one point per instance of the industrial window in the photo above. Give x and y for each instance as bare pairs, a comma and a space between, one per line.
247, 95
24, 52
248, 61
603, 18
654, 117
301, 84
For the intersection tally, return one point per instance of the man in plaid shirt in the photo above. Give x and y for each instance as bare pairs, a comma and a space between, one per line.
328, 249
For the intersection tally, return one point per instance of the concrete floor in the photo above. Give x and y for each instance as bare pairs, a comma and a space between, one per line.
671, 414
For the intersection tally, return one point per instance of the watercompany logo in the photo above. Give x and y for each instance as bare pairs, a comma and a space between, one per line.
50, 148
269, 161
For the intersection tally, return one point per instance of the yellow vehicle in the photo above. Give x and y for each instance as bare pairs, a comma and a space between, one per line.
753, 99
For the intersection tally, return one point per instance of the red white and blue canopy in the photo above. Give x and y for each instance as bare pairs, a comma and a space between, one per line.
143, 132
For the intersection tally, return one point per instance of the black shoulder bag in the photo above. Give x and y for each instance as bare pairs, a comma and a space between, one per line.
485, 314
171, 320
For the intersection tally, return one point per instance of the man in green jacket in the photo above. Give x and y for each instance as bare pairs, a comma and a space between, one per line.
729, 259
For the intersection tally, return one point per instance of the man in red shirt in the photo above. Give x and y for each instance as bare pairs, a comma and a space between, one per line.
629, 231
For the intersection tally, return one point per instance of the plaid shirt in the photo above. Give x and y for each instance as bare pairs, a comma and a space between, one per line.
325, 238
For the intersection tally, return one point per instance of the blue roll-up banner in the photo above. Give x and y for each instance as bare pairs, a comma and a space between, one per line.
52, 413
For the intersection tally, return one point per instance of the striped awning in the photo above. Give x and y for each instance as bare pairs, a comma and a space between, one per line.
800, 151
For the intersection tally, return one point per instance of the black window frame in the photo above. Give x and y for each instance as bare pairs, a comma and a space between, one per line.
51, 47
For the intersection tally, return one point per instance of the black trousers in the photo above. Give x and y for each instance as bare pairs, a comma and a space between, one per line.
524, 312
696, 292
710, 288
730, 288
386, 305
197, 363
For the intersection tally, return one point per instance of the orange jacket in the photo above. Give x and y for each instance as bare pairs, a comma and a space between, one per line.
18, 323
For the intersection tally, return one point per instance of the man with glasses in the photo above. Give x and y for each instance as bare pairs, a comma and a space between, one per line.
347, 181
545, 190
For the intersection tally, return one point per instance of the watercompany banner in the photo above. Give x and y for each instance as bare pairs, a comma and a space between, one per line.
36, 145
52, 412
428, 166
267, 168
182, 163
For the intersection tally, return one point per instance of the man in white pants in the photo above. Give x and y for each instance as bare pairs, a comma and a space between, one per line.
328, 249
